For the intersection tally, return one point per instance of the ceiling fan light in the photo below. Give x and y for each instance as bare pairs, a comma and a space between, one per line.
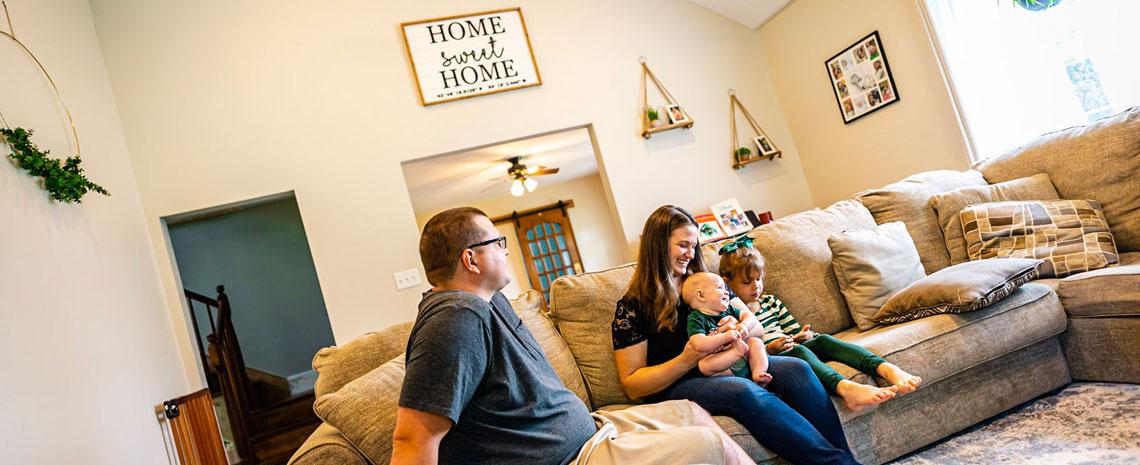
530, 184
517, 188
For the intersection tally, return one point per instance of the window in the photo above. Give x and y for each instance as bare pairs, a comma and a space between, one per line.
1017, 74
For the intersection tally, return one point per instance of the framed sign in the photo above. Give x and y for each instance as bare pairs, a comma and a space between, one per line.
861, 78
469, 55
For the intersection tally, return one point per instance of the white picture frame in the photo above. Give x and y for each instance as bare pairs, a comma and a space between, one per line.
731, 217
676, 114
470, 55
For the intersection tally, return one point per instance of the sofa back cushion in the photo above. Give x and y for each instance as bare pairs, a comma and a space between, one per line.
529, 307
338, 365
949, 205
1100, 161
582, 306
909, 201
798, 262
364, 409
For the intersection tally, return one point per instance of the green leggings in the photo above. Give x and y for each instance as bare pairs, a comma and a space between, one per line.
823, 348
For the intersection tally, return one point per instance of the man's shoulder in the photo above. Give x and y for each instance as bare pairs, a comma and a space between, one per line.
454, 301
452, 311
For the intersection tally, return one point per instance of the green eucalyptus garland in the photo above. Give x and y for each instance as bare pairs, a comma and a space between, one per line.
64, 180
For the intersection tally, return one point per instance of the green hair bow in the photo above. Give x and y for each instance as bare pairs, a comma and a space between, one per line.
740, 242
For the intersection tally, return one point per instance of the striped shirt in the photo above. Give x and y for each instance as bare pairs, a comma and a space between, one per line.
774, 317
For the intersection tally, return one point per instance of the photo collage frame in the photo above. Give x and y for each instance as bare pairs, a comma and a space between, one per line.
861, 78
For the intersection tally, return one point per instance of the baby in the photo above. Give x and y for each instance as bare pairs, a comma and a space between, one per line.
745, 356
743, 268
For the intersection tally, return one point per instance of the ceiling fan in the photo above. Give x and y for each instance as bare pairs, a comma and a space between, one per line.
523, 176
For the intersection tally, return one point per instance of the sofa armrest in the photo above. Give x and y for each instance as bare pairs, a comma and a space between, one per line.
326, 446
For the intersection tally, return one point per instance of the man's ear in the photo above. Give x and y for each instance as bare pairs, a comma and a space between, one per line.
467, 261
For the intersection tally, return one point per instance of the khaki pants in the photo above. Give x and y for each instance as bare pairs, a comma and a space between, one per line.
660, 434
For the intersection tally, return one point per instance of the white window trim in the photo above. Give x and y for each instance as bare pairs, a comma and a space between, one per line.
948, 82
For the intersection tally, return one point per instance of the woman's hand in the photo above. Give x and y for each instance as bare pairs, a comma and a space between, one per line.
727, 323
700, 345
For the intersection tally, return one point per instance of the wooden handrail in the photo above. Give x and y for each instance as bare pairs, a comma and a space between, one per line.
227, 362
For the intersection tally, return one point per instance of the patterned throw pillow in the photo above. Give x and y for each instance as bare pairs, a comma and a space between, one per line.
1070, 235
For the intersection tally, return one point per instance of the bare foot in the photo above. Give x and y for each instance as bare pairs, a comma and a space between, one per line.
906, 382
859, 396
762, 378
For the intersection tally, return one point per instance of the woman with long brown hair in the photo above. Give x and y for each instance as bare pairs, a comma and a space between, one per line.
793, 416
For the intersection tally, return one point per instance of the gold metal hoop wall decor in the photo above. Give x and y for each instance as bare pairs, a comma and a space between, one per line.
63, 179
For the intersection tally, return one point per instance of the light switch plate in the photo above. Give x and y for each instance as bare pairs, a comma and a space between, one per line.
407, 278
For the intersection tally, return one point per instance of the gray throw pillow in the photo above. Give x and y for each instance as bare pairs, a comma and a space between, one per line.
960, 288
871, 265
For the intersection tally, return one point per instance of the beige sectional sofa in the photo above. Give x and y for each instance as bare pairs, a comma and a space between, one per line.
975, 365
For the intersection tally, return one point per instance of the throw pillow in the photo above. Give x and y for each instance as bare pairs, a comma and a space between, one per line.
871, 265
909, 201
364, 410
947, 205
960, 288
1070, 235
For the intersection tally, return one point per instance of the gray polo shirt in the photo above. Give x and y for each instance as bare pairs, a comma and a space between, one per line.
475, 363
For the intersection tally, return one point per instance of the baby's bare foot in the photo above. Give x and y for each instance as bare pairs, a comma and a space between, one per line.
906, 382
762, 378
859, 396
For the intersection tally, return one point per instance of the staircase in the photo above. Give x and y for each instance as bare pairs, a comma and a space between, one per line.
267, 423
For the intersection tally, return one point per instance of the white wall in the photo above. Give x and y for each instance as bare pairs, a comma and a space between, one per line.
84, 332
223, 101
918, 133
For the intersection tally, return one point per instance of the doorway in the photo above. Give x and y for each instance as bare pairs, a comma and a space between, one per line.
545, 194
258, 317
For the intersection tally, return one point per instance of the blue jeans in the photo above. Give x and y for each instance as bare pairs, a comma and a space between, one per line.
793, 417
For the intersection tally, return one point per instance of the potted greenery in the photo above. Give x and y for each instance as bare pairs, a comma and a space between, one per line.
743, 154
655, 119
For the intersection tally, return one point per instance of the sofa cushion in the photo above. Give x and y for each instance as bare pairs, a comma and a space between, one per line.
948, 205
1070, 236
327, 446
583, 306
364, 409
336, 366
871, 265
1108, 292
528, 305
1100, 161
909, 201
942, 345
798, 262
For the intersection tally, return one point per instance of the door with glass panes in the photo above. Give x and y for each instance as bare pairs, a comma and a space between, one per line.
548, 247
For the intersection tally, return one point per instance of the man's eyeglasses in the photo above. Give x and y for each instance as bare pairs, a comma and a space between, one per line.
501, 240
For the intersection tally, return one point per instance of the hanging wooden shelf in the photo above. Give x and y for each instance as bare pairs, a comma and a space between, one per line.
761, 138
647, 130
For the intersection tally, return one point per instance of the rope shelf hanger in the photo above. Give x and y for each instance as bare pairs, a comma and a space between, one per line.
741, 153
647, 130
63, 179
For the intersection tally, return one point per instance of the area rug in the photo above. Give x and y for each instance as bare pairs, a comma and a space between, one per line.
1082, 424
